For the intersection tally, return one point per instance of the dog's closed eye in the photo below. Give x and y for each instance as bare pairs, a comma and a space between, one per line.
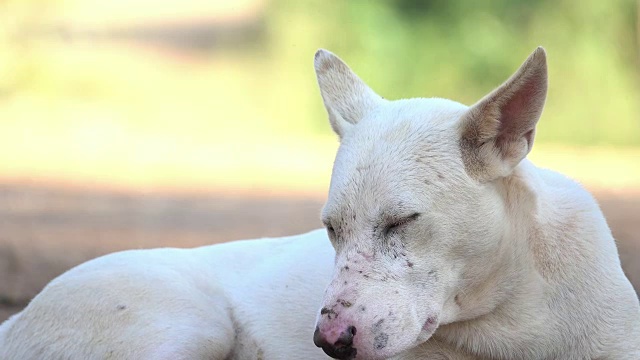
397, 224
330, 230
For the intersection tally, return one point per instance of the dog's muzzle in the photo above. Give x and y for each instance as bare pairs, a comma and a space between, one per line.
341, 349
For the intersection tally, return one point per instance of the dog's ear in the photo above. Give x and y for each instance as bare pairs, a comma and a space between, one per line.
498, 131
346, 98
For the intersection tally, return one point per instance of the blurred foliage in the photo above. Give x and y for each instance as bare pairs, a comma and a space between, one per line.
404, 48
463, 49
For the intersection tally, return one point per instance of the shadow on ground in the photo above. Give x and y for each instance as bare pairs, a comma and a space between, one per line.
45, 231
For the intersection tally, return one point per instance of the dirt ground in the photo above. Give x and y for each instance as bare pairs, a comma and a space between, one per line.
44, 231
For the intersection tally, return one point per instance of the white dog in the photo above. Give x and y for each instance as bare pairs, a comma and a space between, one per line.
448, 245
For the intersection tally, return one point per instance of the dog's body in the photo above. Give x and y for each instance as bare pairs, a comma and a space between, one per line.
214, 302
448, 245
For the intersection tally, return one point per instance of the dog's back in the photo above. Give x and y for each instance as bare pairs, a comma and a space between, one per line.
240, 300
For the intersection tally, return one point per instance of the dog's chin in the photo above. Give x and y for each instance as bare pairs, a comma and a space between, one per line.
427, 330
379, 355
388, 353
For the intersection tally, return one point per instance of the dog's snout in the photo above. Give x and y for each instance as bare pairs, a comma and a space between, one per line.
340, 349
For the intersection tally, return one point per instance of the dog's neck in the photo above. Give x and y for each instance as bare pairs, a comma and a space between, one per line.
511, 284
506, 274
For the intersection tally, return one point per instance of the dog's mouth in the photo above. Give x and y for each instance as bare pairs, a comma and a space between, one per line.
431, 324
377, 344
429, 327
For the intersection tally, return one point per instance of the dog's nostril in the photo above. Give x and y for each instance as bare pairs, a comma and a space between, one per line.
346, 337
352, 330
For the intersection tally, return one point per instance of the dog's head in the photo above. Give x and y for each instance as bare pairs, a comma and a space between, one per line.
413, 211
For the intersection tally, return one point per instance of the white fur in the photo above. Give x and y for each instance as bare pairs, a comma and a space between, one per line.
203, 303
503, 261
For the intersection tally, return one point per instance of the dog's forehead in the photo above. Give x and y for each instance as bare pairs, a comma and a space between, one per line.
407, 122
399, 148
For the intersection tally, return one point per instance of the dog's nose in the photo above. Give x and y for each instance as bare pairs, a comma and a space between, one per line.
341, 348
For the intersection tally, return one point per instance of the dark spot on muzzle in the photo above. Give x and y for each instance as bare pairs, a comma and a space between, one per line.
331, 314
380, 341
342, 348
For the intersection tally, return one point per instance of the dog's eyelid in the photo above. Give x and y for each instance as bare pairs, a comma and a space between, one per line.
401, 221
328, 226
405, 219
413, 216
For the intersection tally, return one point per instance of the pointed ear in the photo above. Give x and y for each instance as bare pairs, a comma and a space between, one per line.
498, 131
346, 98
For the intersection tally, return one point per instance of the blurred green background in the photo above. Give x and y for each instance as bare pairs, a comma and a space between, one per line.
92, 81
404, 48
212, 93
462, 49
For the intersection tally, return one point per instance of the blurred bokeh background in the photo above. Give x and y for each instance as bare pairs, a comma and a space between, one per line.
143, 123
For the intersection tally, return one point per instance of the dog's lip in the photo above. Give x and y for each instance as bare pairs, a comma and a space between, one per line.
428, 328
431, 322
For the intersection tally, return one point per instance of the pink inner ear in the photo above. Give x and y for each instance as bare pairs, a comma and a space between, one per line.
520, 110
